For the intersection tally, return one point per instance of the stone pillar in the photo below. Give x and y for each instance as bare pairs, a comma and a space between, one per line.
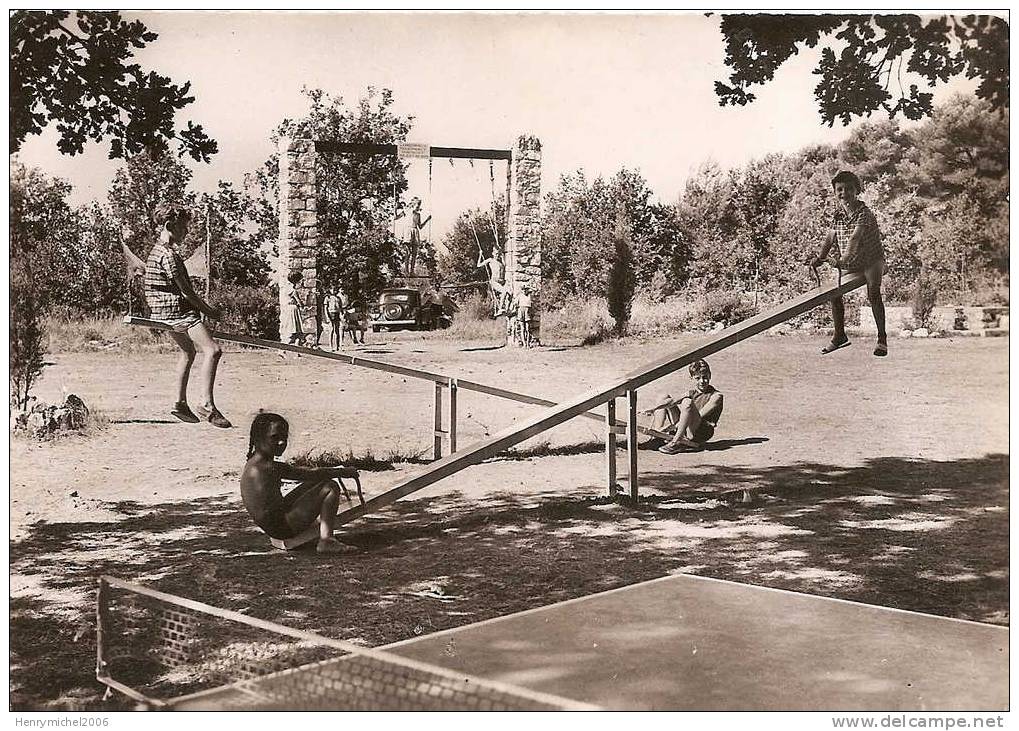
523, 250
298, 235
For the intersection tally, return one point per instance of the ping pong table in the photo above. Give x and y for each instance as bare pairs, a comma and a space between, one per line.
689, 643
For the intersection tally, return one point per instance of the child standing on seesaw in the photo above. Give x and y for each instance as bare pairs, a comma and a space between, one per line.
317, 497
172, 299
856, 236
694, 415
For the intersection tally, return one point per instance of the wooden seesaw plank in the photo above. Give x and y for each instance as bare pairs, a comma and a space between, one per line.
441, 379
532, 426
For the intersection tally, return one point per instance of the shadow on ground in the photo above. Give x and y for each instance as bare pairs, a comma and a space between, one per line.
912, 534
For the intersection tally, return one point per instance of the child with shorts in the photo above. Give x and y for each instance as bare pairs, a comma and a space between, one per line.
692, 417
334, 308
316, 497
172, 299
524, 315
857, 238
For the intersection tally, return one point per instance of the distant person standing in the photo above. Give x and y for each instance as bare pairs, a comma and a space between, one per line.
291, 314
856, 240
416, 224
172, 299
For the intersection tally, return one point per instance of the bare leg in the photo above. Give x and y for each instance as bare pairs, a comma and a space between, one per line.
184, 361
321, 501
877, 305
211, 353
689, 420
838, 316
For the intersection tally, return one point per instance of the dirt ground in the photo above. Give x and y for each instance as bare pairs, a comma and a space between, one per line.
881, 480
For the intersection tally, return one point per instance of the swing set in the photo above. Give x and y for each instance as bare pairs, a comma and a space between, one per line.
419, 151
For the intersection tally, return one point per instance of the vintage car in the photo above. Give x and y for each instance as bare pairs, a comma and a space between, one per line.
404, 307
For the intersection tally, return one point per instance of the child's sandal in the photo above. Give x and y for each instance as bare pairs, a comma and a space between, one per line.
881, 350
833, 346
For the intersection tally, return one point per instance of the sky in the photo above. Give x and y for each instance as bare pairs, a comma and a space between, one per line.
601, 92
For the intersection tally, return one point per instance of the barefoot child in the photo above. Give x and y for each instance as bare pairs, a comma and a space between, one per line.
694, 415
172, 299
316, 497
856, 236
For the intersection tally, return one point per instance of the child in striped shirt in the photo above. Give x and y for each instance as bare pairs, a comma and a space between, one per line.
172, 299
856, 238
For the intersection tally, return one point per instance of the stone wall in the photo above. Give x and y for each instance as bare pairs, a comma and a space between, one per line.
298, 235
523, 250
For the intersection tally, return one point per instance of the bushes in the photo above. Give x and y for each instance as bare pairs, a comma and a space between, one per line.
925, 297
726, 307
253, 311
26, 336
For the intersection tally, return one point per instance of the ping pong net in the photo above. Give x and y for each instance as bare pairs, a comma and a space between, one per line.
168, 652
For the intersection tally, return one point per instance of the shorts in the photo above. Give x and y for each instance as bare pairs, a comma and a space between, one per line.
524, 314
275, 522
184, 323
703, 432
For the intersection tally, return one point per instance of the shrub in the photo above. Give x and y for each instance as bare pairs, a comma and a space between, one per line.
621, 281
726, 307
577, 320
925, 297
26, 336
253, 311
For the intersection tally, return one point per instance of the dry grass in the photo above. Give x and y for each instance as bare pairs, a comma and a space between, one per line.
92, 334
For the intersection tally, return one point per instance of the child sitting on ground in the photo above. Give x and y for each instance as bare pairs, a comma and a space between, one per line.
317, 496
693, 416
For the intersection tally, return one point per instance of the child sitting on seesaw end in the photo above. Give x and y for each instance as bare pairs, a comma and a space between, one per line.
693, 416
317, 497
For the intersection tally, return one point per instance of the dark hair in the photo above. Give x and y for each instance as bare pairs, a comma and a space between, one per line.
295, 276
169, 212
845, 176
698, 367
260, 425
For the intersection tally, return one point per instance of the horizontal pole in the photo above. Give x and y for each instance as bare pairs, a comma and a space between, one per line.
355, 148
390, 150
471, 153
515, 434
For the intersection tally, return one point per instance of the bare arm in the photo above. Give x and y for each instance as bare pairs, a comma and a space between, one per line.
667, 401
305, 474
182, 280
829, 241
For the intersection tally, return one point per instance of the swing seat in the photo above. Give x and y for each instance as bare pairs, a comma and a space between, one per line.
306, 536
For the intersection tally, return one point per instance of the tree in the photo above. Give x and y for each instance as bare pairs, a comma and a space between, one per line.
621, 279
26, 333
578, 223
457, 262
76, 71
237, 243
144, 183
358, 196
867, 54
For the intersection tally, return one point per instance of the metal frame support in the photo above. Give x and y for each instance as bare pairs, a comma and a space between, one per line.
631, 439
610, 447
452, 414
437, 444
